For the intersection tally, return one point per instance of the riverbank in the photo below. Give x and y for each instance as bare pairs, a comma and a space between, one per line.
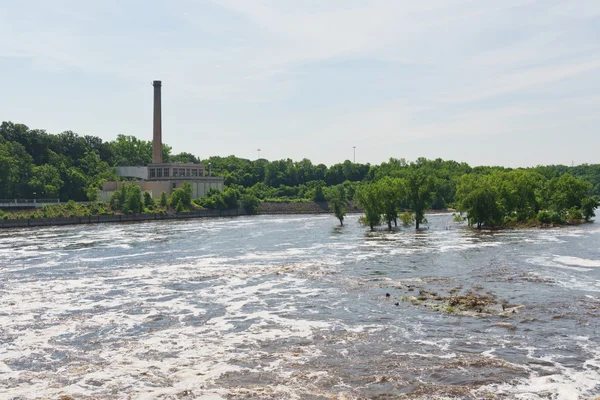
265, 208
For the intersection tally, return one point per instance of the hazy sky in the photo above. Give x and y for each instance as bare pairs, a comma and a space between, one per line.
511, 82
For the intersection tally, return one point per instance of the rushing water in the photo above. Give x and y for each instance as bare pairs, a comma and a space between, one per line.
286, 307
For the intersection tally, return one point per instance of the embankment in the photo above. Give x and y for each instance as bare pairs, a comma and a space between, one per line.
264, 208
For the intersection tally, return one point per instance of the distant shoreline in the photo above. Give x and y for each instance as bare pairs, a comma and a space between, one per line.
265, 208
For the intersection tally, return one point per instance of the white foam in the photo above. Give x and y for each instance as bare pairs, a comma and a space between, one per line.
582, 262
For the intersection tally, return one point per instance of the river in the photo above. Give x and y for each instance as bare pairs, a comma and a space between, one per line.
295, 307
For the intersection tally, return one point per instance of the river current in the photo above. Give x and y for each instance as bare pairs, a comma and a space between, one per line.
295, 307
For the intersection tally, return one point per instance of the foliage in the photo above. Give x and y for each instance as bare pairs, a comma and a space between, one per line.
127, 199
369, 200
73, 167
215, 199
337, 201
588, 206
545, 217
180, 208
163, 201
251, 203
183, 194
407, 218
149, 202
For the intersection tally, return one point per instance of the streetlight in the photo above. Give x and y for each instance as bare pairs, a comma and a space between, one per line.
258, 152
354, 147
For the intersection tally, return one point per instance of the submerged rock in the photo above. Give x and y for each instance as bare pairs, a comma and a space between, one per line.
507, 325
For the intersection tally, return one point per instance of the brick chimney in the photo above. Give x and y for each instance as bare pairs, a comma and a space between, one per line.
157, 127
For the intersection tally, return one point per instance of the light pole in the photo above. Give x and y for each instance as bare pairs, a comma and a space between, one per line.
258, 152
354, 147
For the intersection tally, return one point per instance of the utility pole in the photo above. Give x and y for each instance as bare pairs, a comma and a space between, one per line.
354, 147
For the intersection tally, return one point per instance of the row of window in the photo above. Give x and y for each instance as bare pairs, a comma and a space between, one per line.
177, 172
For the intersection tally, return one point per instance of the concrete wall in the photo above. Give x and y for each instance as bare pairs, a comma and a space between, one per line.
24, 223
133, 172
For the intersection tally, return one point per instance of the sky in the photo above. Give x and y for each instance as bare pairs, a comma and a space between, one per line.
512, 82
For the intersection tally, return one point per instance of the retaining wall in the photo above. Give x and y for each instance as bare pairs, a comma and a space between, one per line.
97, 219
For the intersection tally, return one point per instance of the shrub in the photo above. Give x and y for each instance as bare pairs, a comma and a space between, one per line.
183, 194
407, 218
71, 206
163, 199
179, 207
319, 195
133, 200
557, 217
251, 203
574, 214
544, 217
148, 200
588, 207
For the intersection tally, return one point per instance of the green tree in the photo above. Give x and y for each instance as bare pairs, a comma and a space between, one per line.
163, 201
183, 194
337, 201
369, 200
251, 203
391, 194
45, 181
419, 188
149, 201
588, 208
133, 200
479, 197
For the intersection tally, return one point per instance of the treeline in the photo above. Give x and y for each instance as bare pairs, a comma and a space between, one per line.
72, 167
489, 198
36, 164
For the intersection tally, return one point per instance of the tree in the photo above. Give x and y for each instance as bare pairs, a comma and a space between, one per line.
337, 201
163, 199
179, 208
588, 207
391, 194
45, 181
251, 203
419, 192
319, 195
133, 200
368, 198
127, 199
183, 194
149, 201
480, 199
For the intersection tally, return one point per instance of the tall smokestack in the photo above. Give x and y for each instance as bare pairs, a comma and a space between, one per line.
157, 130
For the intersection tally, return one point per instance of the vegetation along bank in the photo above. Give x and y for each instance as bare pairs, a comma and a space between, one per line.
36, 164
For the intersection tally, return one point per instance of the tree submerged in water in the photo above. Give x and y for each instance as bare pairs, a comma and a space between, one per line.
337, 202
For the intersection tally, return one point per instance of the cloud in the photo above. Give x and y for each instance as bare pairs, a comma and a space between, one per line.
463, 67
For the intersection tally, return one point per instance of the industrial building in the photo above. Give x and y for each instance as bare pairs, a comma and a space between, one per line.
160, 176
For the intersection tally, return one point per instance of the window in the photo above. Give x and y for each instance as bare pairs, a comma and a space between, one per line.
187, 172
166, 172
181, 171
152, 173
159, 172
194, 172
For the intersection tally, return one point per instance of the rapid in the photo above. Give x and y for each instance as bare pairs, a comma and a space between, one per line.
296, 307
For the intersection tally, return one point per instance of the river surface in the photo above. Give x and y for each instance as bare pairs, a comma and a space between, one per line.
294, 307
